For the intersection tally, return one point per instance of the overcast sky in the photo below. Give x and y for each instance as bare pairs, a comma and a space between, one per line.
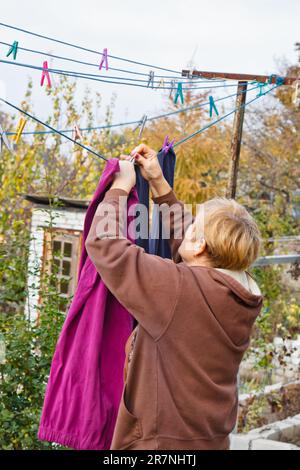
218, 35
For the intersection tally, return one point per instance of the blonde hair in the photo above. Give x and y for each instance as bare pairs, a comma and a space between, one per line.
231, 234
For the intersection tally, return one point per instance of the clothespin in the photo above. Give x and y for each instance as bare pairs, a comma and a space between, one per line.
270, 79
4, 140
212, 107
279, 81
261, 88
46, 74
151, 79
104, 59
167, 144
179, 93
13, 50
173, 85
141, 125
296, 94
76, 133
161, 83
20, 129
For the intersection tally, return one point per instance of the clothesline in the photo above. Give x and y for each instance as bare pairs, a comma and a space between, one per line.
128, 123
113, 79
185, 139
85, 49
104, 158
76, 61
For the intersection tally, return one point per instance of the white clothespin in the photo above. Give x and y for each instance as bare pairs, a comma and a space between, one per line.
141, 125
4, 140
173, 87
151, 79
296, 94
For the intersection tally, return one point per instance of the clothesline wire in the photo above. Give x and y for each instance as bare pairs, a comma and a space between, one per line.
54, 130
104, 158
85, 49
128, 123
185, 139
96, 78
201, 80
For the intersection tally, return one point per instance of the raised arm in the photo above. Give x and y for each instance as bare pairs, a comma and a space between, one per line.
146, 285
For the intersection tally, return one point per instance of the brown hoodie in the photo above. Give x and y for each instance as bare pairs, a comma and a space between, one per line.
180, 389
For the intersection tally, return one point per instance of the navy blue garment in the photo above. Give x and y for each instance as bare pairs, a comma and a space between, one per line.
158, 246
142, 188
154, 243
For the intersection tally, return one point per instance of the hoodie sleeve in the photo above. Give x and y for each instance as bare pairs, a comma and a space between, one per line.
173, 212
146, 285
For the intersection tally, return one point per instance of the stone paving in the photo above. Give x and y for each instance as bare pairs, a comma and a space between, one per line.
280, 435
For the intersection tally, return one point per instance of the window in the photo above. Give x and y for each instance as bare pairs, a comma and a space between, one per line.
61, 257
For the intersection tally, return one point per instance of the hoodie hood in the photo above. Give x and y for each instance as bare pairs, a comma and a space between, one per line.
233, 305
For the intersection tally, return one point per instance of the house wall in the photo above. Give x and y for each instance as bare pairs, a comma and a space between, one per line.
65, 219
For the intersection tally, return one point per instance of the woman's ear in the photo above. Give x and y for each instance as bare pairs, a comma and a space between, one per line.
199, 247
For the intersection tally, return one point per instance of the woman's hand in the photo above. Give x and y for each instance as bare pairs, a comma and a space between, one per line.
150, 168
125, 178
146, 159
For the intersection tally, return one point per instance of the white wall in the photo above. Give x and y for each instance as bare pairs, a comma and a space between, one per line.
67, 219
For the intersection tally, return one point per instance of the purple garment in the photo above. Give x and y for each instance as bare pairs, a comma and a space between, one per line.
86, 377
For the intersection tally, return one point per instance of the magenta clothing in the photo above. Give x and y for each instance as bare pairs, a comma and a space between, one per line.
86, 377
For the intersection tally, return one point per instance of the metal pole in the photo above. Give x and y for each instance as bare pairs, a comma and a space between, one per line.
236, 139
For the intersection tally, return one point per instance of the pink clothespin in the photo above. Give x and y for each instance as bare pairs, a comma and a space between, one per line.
104, 59
46, 74
76, 133
167, 144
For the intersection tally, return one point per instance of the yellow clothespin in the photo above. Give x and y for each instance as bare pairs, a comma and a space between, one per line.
20, 129
161, 83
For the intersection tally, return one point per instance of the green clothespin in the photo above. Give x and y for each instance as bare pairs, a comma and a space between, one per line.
212, 107
13, 50
261, 88
179, 94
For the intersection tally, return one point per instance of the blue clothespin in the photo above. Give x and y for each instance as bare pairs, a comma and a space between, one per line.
179, 93
167, 144
13, 50
280, 81
151, 79
212, 107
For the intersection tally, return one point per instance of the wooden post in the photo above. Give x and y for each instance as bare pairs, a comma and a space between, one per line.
236, 139
271, 79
